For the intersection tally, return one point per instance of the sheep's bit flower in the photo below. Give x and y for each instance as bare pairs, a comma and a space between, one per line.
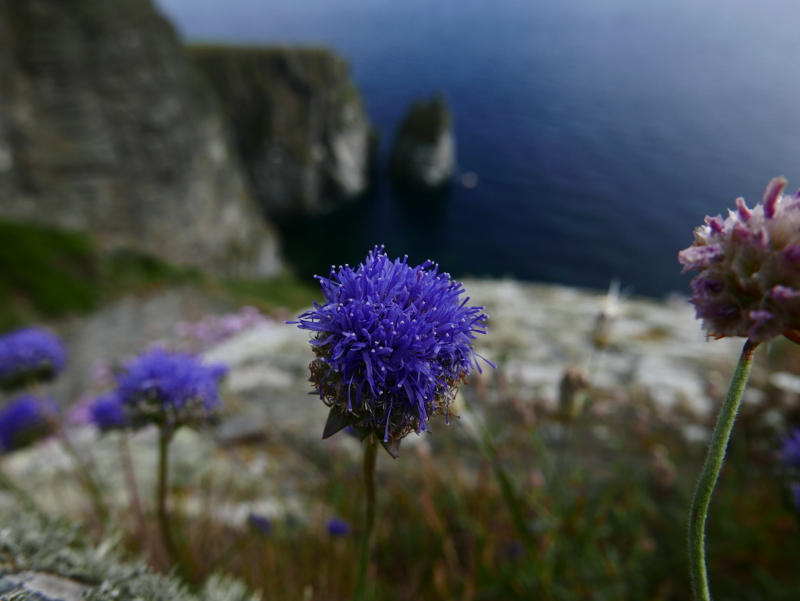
25, 420
163, 388
749, 264
30, 355
392, 341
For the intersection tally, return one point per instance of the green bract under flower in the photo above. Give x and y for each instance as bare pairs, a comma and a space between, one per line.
392, 341
749, 264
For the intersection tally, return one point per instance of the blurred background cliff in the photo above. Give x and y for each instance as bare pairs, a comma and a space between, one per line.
569, 142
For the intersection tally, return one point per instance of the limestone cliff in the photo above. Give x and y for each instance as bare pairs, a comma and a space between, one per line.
106, 126
298, 122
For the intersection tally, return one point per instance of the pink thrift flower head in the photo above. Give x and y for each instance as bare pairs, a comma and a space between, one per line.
749, 268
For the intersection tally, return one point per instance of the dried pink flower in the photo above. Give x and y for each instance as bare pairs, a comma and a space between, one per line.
749, 264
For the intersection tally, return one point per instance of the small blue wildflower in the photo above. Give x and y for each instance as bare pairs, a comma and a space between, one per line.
30, 355
790, 453
170, 389
337, 527
26, 420
796, 495
392, 342
259, 524
108, 412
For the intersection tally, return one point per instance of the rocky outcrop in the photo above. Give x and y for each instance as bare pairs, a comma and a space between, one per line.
424, 152
298, 122
105, 126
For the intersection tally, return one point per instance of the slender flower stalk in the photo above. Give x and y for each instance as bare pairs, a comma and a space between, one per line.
162, 489
748, 285
370, 459
711, 470
133, 489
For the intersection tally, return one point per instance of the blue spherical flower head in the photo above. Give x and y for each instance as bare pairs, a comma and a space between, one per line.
392, 342
29, 355
109, 413
337, 527
26, 420
790, 452
169, 389
259, 524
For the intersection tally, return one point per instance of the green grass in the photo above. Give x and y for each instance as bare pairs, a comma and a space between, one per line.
45, 273
48, 274
284, 290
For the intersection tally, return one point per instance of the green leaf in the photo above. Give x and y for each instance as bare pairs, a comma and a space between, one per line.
392, 447
336, 422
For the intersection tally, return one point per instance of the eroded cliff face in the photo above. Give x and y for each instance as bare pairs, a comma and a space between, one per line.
299, 124
106, 126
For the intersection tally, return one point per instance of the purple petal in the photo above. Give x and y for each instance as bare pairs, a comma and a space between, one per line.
783, 293
792, 254
772, 194
717, 224
759, 317
703, 287
715, 311
696, 257
744, 213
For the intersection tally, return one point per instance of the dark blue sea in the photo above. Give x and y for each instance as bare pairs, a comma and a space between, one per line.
602, 131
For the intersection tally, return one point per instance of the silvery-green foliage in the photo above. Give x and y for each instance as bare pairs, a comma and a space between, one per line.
219, 587
39, 544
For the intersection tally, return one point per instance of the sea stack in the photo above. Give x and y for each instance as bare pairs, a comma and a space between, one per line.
424, 153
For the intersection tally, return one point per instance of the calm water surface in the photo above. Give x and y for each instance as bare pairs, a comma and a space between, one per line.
602, 131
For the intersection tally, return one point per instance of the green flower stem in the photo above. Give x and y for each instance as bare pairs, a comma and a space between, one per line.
161, 493
710, 474
370, 456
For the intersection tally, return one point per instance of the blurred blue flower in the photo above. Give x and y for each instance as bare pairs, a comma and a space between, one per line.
259, 524
26, 420
108, 412
169, 389
30, 355
790, 451
338, 527
796, 495
392, 342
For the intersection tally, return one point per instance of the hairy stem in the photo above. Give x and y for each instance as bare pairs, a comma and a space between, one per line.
370, 457
710, 474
